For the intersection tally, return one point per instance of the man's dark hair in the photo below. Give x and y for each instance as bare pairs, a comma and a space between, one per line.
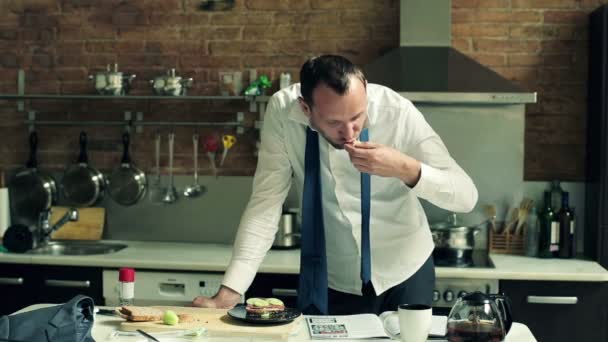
331, 70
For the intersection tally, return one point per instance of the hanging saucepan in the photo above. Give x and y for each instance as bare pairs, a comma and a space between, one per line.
127, 183
454, 240
82, 184
30, 190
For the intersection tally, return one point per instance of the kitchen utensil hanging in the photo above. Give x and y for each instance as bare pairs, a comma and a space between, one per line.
82, 184
171, 194
227, 142
195, 189
127, 183
155, 190
30, 190
211, 146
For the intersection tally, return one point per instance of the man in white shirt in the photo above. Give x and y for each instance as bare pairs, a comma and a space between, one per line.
406, 160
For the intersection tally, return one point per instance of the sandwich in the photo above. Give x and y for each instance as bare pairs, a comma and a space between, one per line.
264, 307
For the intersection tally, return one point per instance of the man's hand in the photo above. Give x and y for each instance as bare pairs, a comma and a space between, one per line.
381, 160
225, 298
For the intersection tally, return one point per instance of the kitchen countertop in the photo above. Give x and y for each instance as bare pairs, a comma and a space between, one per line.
215, 258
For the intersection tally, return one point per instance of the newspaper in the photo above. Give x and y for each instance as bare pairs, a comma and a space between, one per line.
364, 326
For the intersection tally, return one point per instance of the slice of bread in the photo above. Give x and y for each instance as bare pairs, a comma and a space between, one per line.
187, 318
140, 313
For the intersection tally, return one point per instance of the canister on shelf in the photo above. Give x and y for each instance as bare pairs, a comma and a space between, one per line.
285, 80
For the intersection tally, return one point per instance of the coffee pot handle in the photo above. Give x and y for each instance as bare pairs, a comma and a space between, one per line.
504, 306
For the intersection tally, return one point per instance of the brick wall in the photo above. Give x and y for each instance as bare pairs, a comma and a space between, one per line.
539, 44
542, 45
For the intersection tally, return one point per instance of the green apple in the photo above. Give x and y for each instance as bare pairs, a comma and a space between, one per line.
170, 318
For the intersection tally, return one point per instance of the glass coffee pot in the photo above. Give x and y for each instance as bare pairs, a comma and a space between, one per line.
479, 317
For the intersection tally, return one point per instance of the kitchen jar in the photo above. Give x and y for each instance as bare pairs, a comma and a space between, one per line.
288, 233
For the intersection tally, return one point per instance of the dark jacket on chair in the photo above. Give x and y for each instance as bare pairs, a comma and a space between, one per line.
69, 322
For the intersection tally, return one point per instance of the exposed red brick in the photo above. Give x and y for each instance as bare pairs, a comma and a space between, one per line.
273, 32
339, 32
524, 59
499, 45
245, 48
490, 59
274, 5
325, 4
480, 30
462, 44
480, 3
521, 16
542, 3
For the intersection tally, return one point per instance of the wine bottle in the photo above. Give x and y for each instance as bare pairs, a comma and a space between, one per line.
548, 227
556, 195
532, 233
566, 229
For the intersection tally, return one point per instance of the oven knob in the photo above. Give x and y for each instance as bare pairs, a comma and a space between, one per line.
448, 295
436, 296
462, 294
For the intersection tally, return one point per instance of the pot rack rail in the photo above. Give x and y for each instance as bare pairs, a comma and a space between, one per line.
138, 123
256, 104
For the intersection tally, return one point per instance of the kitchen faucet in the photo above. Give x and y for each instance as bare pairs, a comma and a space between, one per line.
43, 232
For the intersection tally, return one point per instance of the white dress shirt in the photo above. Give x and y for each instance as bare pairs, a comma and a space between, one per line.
400, 237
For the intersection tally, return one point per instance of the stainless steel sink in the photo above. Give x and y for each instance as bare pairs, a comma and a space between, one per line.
77, 248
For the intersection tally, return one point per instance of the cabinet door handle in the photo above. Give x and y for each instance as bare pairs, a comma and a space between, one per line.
552, 300
285, 292
67, 283
11, 281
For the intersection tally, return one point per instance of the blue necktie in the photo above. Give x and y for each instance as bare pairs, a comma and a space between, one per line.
312, 287
366, 265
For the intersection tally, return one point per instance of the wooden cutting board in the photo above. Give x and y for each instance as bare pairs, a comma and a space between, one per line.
218, 323
88, 227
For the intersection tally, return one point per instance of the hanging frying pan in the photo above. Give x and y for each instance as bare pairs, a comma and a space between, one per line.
127, 183
82, 184
31, 191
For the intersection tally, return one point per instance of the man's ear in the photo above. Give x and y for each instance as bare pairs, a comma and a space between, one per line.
304, 106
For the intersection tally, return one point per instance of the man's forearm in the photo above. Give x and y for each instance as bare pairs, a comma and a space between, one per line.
226, 297
410, 171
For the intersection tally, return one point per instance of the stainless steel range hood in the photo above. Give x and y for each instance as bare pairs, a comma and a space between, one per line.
425, 68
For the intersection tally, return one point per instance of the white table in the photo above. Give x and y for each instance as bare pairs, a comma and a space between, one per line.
106, 325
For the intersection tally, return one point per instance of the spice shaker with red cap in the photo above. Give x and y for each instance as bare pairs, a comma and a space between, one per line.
126, 286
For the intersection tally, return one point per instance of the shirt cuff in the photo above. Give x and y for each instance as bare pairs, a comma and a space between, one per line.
239, 277
429, 184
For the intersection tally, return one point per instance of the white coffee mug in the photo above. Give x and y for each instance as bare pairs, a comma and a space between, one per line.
414, 322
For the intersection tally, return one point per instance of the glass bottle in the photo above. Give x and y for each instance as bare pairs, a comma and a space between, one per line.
126, 286
547, 222
566, 229
556, 195
532, 233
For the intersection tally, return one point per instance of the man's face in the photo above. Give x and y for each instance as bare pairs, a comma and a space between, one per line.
338, 118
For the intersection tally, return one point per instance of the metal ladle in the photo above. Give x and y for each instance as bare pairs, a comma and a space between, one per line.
195, 189
171, 194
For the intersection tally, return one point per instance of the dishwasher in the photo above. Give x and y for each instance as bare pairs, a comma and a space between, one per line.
163, 287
